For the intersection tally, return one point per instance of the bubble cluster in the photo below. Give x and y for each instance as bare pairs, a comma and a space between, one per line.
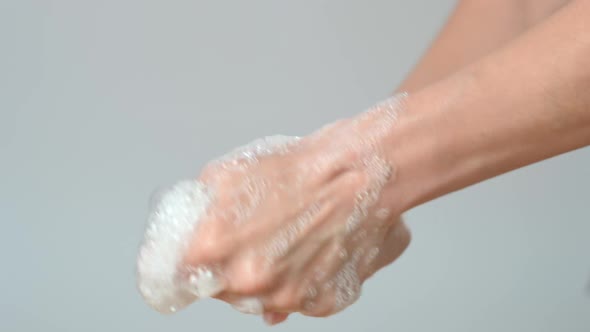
170, 224
165, 284
260, 147
346, 284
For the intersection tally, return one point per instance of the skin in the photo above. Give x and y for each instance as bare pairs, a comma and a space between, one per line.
469, 35
513, 98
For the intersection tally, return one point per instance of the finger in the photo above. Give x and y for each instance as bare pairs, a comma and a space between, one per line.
299, 286
202, 268
207, 255
274, 318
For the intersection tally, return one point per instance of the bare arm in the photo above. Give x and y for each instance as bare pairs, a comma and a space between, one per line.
476, 28
523, 103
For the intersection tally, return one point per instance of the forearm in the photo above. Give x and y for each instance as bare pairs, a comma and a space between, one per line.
521, 104
475, 28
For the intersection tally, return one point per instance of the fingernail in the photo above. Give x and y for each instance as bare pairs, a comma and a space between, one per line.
204, 283
249, 305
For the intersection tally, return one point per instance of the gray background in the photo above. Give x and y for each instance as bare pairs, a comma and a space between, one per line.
102, 101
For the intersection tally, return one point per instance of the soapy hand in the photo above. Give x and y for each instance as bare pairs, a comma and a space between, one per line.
289, 224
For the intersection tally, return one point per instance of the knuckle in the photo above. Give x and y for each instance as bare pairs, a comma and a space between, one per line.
355, 180
252, 276
289, 299
210, 243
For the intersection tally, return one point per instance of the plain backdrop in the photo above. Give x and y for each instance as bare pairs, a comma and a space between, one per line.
103, 101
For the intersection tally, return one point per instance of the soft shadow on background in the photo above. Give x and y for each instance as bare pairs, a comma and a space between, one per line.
103, 101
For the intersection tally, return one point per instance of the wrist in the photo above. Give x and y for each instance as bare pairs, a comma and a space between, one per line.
431, 151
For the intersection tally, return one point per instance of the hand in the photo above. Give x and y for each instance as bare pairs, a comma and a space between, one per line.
297, 225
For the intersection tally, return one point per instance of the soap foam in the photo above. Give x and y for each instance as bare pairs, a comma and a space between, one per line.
171, 223
175, 214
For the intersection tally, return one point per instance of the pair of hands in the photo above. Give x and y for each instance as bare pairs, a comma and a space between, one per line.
298, 224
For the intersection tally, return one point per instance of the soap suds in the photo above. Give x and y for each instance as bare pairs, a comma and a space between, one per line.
175, 213
346, 284
171, 223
